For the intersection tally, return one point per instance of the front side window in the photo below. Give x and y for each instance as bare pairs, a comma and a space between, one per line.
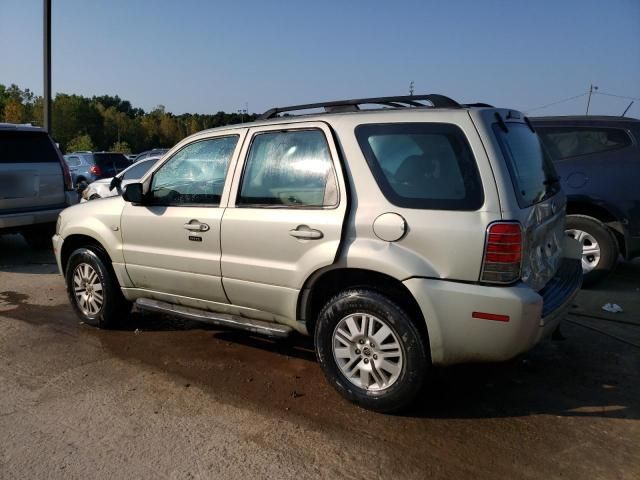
289, 169
195, 174
564, 142
422, 165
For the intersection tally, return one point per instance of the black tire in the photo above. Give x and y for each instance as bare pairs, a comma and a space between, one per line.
114, 308
39, 237
415, 362
607, 242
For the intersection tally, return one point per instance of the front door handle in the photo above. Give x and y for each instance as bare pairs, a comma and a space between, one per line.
306, 233
196, 226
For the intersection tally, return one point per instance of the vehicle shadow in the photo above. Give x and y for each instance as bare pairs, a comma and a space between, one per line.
584, 375
17, 256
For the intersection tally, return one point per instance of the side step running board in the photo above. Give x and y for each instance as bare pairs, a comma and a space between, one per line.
256, 326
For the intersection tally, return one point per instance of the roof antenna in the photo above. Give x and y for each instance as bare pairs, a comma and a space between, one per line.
411, 89
627, 109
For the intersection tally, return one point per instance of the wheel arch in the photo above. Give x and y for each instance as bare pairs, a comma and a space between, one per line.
75, 241
325, 283
603, 213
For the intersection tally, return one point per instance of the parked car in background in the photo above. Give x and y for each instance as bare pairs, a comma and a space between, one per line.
35, 184
87, 167
155, 153
598, 160
399, 238
109, 187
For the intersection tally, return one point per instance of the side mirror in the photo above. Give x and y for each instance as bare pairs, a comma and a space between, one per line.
133, 193
116, 183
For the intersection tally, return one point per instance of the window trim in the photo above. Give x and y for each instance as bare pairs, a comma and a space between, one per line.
149, 176
629, 135
245, 162
416, 203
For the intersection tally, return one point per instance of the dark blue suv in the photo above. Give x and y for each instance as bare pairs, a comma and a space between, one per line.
598, 160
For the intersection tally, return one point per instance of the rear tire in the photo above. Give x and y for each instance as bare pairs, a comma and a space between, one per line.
93, 289
370, 350
600, 247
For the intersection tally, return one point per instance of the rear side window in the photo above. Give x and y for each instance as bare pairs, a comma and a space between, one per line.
26, 147
289, 169
138, 170
73, 161
532, 173
565, 142
422, 165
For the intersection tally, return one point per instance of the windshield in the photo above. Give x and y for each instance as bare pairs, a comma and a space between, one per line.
533, 175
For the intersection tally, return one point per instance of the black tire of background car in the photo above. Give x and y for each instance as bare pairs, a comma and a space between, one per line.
39, 237
609, 250
416, 362
115, 308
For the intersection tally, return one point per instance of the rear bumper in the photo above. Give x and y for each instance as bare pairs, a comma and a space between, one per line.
16, 221
455, 336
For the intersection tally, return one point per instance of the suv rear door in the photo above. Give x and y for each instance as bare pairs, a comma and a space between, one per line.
31, 176
535, 199
284, 220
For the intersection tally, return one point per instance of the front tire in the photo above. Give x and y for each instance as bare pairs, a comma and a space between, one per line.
370, 350
93, 289
599, 247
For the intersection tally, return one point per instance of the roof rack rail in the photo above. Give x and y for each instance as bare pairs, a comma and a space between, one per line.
353, 105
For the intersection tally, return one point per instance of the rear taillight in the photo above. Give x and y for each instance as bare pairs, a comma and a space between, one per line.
66, 174
503, 253
95, 170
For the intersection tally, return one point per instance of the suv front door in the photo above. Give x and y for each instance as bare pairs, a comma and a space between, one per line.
171, 244
284, 221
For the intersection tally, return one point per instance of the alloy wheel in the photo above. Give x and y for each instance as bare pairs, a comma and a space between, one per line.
88, 289
367, 351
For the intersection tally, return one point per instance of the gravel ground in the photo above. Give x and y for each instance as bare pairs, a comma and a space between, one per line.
164, 398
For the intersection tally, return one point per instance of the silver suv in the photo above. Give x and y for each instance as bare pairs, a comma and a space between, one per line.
35, 184
422, 233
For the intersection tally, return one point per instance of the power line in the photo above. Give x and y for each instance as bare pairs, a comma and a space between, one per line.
528, 110
617, 96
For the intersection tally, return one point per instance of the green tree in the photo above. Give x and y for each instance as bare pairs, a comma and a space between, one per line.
122, 147
81, 142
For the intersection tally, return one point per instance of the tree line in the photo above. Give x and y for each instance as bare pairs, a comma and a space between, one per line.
107, 123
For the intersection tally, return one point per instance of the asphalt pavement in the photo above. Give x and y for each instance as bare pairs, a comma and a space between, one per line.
165, 398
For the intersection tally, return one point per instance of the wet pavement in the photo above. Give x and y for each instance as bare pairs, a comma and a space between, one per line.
165, 398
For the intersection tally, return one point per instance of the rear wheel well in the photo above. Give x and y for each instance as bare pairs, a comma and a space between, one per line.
73, 242
318, 292
602, 214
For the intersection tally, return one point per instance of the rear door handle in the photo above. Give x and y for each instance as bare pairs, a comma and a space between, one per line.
306, 233
196, 226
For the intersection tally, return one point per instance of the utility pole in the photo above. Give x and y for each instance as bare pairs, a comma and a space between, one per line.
591, 89
46, 64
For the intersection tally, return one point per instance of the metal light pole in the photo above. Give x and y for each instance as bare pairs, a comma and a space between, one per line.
46, 63
591, 89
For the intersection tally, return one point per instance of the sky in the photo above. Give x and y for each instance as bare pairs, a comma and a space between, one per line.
203, 56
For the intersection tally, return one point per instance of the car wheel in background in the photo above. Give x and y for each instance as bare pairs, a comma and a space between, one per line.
599, 247
370, 350
93, 289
